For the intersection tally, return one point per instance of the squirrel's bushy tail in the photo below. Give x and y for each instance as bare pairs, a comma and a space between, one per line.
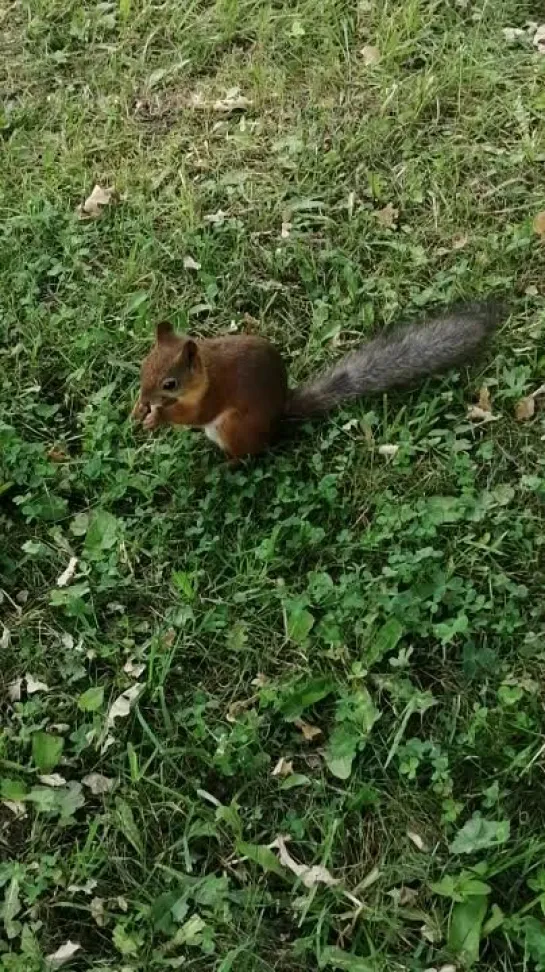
398, 359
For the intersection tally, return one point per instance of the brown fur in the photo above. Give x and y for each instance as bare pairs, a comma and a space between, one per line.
237, 385
238, 381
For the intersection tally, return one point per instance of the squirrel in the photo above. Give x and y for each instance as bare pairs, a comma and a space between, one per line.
235, 387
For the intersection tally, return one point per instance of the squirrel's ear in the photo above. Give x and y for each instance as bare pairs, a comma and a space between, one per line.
163, 331
190, 354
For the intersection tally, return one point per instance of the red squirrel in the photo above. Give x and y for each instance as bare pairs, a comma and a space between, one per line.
236, 389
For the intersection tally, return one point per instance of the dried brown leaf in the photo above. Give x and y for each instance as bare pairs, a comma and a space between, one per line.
16, 807
539, 39
63, 954
98, 784
525, 409
284, 767
370, 55
96, 202
14, 690
97, 911
458, 242
309, 731
539, 224
67, 575
310, 876
388, 450
52, 779
482, 411
388, 216
133, 668
57, 455
34, 685
122, 706
191, 264
418, 841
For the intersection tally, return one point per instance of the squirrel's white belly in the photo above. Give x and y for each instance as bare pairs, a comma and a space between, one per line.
212, 432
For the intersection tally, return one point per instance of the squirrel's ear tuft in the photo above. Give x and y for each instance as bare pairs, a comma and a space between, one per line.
164, 331
190, 354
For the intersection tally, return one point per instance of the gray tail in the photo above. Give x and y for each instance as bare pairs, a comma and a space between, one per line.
399, 359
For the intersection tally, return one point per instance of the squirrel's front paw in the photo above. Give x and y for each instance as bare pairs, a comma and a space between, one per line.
139, 411
153, 418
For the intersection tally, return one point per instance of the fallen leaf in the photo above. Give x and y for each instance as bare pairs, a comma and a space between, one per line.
403, 895
418, 841
134, 669
63, 954
512, 34
96, 202
539, 224
370, 55
525, 409
16, 807
67, 575
191, 264
310, 876
233, 101
284, 767
86, 888
228, 105
237, 708
14, 690
388, 216
388, 451
122, 706
52, 779
98, 784
458, 242
484, 399
260, 680
309, 732
97, 911
482, 411
57, 455
215, 218
539, 39
33, 685
22, 596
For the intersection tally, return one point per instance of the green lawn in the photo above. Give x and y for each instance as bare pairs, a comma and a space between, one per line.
385, 158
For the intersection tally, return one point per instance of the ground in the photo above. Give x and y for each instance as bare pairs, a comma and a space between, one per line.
331, 657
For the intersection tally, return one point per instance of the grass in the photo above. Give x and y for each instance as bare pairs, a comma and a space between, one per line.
394, 604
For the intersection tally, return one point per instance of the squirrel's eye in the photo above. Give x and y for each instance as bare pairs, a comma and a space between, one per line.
170, 384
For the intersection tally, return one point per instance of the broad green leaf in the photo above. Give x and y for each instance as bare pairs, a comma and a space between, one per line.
127, 825
496, 919
102, 532
299, 622
124, 941
355, 717
12, 789
304, 694
465, 928
336, 958
262, 855
479, 834
46, 750
385, 640
534, 940
92, 699
295, 780
341, 750
11, 908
